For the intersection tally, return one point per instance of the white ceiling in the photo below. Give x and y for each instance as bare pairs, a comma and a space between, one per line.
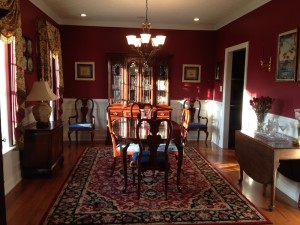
163, 14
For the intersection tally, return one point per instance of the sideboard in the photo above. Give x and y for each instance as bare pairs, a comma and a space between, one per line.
260, 157
43, 149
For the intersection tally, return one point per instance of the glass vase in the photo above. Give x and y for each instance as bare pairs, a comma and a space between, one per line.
260, 121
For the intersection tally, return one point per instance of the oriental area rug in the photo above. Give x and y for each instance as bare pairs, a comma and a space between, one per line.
92, 196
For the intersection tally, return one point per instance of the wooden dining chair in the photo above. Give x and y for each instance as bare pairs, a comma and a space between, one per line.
116, 144
200, 122
83, 120
149, 157
184, 123
140, 109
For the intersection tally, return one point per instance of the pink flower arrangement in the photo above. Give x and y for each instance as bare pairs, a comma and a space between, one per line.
262, 104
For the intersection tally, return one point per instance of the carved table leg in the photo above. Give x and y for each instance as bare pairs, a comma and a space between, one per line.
124, 163
273, 187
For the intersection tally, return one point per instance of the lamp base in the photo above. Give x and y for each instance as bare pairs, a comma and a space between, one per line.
41, 113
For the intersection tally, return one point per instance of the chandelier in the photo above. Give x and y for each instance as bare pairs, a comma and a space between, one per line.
142, 44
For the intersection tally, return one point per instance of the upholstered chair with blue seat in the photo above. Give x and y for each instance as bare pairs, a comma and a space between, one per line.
83, 120
197, 122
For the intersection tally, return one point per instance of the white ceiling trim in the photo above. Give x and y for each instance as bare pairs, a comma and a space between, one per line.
243, 11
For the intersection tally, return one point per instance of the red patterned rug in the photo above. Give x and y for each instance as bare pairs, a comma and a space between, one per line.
92, 196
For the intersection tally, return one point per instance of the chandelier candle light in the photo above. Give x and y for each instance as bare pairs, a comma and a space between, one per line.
142, 44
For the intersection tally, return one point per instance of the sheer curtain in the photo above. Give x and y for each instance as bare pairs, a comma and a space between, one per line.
10, 27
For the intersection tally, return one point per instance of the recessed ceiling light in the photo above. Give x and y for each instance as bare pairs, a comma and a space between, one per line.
196, 19
83, 15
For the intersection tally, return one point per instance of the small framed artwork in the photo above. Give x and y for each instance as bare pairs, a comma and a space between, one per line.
287, 56
85, 71
191, 73
218, 72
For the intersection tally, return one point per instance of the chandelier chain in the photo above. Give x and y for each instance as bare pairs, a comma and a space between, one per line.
146, 25
147, 10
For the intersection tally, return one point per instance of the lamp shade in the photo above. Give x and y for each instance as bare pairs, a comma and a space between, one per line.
131, 39
41, 111
41, 92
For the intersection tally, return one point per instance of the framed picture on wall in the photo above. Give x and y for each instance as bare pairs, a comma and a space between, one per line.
85, 71
191, 73
287, 56
298, 59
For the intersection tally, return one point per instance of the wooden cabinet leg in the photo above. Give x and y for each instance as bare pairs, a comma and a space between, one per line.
241, 176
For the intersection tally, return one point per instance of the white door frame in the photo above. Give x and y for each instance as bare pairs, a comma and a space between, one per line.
227, 89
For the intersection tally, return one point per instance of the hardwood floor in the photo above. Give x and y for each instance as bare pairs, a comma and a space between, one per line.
29, 201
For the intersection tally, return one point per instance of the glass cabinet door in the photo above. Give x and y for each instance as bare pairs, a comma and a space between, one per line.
162, 96
133, 81
146, 84
116, 83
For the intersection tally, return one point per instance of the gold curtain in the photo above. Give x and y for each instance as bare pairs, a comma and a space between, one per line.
10, 26
49, 40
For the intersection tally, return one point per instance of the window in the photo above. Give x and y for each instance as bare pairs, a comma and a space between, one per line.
55, 86
7, 95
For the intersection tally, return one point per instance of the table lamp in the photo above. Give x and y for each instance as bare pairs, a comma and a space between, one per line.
41, 111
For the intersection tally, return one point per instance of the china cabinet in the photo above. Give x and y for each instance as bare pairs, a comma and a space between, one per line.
132, 80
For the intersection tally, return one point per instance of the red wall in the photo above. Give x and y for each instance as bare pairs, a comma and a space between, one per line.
81, 43
261, 28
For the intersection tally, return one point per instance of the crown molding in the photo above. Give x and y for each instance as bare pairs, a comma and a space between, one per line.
125, 24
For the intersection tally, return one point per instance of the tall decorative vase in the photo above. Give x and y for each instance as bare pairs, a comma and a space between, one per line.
260, 121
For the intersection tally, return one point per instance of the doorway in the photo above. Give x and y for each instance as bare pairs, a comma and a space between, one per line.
234, 92
236, 95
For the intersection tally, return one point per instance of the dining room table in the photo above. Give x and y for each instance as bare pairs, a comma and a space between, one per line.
125, 130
